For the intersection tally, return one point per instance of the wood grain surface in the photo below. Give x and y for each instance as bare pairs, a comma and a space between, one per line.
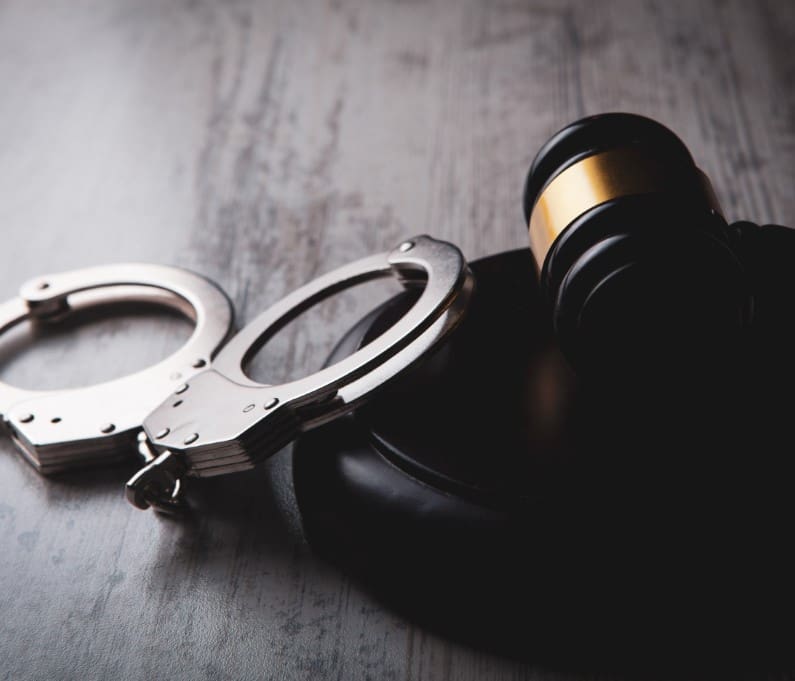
262, 143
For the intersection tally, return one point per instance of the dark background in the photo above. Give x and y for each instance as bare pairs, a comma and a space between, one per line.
261, 144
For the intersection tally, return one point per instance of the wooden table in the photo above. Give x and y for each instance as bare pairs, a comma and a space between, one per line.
262, 143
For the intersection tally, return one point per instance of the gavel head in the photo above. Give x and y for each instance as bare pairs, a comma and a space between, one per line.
635, 259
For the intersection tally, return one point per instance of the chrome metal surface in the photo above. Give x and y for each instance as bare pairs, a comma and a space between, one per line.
222, 421
159, 483
57, 430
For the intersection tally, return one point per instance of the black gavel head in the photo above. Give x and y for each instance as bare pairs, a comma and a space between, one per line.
635, 258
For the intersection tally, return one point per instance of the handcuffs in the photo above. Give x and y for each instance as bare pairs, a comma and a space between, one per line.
196, 413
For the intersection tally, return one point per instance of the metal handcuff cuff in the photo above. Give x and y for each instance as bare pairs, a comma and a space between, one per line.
214, 419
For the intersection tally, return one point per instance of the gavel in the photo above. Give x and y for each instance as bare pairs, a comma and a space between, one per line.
635, 256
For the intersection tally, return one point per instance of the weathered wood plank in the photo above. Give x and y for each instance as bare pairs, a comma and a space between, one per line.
262, 143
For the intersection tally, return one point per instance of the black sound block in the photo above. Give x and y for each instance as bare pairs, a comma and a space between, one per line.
494, 495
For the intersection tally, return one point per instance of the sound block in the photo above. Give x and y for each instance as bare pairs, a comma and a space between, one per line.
497, 497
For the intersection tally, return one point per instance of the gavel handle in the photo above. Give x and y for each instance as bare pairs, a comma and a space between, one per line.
768, 253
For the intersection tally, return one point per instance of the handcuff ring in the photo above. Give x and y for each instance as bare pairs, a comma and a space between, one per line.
60, 430
222, 421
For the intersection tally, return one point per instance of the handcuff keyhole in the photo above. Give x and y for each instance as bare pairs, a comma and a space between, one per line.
177, 403
57, 419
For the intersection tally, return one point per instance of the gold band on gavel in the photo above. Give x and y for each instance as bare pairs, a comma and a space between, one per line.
591, 182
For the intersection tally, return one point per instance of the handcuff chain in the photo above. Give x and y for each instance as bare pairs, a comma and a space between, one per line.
159, 483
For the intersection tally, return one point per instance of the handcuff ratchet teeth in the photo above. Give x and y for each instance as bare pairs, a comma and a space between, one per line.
59, 430
220, 421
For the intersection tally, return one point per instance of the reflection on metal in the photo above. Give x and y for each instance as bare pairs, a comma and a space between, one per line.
225, 422
215, 420
591, 182
59, 430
